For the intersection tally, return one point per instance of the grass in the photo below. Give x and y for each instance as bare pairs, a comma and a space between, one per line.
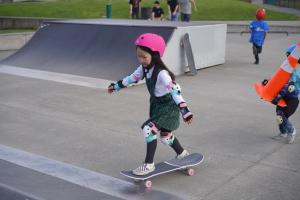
3, 31
207, 9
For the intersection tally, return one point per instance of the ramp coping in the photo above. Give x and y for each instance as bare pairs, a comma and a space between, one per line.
56, 77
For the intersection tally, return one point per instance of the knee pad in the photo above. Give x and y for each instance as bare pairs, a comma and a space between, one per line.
150, 131
167, 138
280, 118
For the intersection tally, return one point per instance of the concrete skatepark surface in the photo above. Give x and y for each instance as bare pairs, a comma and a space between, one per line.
91, 129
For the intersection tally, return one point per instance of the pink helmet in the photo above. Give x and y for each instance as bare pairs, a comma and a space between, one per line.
152, 41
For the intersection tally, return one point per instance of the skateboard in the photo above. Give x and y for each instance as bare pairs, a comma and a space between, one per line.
175, 164
189, 54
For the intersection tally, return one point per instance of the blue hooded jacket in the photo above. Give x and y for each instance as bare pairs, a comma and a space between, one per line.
258, 30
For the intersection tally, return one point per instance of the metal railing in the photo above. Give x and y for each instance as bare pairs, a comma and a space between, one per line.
284, 3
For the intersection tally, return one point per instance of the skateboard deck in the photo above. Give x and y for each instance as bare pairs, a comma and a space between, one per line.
166, 167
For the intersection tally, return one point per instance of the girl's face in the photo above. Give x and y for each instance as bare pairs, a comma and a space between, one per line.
143, 57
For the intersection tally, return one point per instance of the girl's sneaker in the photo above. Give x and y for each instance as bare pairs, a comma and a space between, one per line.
144, 169
183, 154
291, 137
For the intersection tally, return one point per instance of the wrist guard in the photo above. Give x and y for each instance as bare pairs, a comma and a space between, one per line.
185, 112
116, 86
265, 82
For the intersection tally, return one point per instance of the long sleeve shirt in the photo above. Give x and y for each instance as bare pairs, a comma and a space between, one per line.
164, 83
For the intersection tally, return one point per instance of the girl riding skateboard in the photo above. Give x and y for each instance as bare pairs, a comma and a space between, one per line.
166, 101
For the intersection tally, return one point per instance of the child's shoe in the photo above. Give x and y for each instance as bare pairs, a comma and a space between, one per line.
183, 154
279, 136
144, 169
291, 137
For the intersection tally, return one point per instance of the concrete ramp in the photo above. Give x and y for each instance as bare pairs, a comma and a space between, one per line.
104, 49
93, 50
29, 176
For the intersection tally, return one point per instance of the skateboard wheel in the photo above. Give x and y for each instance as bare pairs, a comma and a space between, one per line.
191, 172
148, 184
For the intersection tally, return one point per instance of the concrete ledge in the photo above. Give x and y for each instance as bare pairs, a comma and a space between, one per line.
22, 22
238, 28
14, 41
275, 26
232, 26
208, 50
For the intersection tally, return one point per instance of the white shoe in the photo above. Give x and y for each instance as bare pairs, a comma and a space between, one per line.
183, 154
144, 169
283, 135
280, 136
291, 137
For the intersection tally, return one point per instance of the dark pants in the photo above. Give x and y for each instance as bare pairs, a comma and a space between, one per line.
185, 17
285, 112
135, 13
292, 104
256, 50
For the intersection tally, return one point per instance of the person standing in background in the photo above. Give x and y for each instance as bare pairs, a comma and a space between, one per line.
185, 7
173, 8
134, 8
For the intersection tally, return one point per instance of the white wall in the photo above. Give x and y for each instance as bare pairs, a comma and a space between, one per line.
208, 45
14, 41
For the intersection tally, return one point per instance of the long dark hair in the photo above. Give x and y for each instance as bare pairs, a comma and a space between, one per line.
157, 62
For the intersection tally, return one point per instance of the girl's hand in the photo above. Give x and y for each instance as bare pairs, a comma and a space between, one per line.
111, 88
189, 121
115, 86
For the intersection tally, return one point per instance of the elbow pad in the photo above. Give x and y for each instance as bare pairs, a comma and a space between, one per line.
175, 89
291, 87
175, 92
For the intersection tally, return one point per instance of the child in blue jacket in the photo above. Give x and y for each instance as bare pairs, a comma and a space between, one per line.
258, 29
290, 93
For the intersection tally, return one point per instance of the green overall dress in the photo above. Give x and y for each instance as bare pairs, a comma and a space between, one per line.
163, 110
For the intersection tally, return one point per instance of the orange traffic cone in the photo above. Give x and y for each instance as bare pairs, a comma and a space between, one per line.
269, 91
